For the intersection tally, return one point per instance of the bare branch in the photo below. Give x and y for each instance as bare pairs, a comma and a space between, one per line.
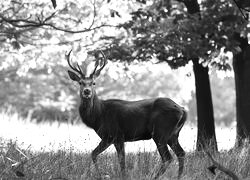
240, 8
94, 15
32, 42
78, 31
222, 168
26, 23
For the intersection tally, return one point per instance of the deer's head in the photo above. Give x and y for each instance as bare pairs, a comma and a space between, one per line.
87, 83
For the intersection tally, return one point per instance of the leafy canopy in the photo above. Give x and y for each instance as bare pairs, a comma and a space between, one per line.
168, 33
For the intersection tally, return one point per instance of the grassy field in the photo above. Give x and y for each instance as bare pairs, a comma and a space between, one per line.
16, 163
62, 151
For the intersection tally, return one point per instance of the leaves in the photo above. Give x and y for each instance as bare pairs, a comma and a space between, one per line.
175, 36
54, 3
114, 13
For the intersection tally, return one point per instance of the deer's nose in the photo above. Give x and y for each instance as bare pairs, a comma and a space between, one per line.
86, 91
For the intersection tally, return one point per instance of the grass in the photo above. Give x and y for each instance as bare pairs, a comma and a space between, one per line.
17, 163
70, 165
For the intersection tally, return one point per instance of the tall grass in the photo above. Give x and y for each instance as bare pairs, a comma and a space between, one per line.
16, 163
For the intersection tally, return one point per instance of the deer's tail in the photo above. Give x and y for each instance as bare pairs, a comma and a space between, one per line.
182, 121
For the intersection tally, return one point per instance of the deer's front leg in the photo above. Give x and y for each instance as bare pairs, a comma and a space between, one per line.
99, 149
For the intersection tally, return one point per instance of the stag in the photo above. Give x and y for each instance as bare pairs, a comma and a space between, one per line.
118, 121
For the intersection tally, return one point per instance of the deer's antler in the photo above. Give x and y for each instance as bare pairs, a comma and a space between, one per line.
77, 69
103, 64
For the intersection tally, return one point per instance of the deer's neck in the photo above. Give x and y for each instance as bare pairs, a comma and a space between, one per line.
90, 111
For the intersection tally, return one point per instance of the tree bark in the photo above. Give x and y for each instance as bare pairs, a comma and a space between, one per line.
206, 137
241, 65
206, 129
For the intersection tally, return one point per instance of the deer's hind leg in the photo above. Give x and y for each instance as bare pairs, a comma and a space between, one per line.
161, 143
173, 142
162, 132
180, 153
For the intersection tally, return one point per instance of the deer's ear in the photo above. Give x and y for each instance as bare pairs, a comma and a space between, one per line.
73, 76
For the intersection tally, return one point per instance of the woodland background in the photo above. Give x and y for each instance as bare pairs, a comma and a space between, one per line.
198, 40
195, 52
33, 77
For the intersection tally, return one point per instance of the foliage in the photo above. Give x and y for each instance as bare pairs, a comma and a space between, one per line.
170, 34
32, 32
34, 38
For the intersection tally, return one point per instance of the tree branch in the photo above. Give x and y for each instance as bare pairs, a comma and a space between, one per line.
78, 31
221, 168
240, 8
26, 23
93, 20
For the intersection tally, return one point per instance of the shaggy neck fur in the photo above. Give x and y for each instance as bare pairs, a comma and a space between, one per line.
90, 111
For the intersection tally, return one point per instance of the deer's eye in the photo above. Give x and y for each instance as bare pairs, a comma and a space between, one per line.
93, 83
81, 83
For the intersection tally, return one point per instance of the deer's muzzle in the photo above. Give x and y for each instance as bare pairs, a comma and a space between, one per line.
86, 93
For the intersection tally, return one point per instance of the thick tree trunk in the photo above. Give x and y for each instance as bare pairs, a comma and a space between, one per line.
241, 64
206, 130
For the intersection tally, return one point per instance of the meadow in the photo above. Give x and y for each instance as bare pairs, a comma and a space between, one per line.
62, 151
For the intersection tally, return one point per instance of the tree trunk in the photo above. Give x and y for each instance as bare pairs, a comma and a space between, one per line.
241, 64
206, 130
